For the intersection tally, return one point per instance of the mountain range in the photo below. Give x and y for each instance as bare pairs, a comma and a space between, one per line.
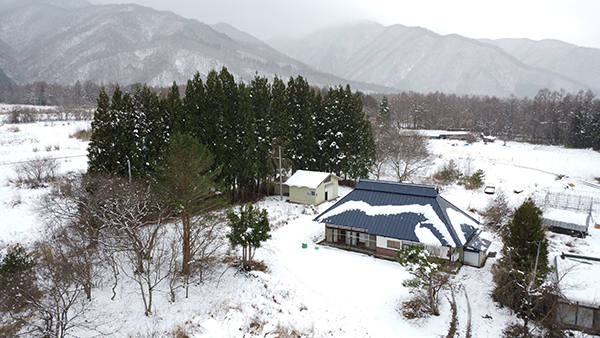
414, 58
64, 41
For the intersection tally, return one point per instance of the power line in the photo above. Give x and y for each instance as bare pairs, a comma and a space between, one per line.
56, 158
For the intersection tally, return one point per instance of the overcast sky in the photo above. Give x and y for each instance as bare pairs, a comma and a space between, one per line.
574, 21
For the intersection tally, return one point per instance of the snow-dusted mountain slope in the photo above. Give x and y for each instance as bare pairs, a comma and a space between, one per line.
413, 58
579, 63
64, 41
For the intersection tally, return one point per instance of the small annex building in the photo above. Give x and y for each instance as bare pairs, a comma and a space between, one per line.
568, 222
381, 217
312, 187
579, 304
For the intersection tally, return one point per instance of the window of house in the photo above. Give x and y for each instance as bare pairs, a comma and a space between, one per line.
408, 244
393, 244
363, 237
434, 250
311, 193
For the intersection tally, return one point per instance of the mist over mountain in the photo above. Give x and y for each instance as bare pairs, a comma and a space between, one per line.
579, 63
414, 58
64, 41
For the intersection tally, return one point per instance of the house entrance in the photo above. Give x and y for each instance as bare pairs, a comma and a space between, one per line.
328, 191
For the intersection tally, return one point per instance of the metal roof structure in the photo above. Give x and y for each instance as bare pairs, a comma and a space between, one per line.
305, 178
404, 211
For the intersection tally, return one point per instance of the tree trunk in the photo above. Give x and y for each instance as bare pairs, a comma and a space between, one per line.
185, 266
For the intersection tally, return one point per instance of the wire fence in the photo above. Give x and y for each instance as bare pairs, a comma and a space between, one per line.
580, 201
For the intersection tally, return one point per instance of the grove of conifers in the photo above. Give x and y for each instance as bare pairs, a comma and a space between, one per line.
242, 125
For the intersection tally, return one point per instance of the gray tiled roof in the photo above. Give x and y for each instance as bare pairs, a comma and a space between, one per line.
402, 222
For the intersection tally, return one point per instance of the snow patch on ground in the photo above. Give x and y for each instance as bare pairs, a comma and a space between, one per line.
318, 291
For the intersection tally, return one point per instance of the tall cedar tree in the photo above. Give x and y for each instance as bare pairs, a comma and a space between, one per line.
186, 181
173, 112
260, 96
242, 125
111, 141
522, 269
248, 229
301, 103
522, 238
195, 117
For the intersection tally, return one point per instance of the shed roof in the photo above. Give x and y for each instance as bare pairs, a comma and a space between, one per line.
404, 211
477, 242
567, 220
579, 277
305, 178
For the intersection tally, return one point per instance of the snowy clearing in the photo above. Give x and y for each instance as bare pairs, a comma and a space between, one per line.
317, 291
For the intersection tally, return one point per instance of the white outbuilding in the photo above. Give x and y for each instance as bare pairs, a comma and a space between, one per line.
312, 187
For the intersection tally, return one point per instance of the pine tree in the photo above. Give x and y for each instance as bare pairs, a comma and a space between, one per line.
248, 229
186, 182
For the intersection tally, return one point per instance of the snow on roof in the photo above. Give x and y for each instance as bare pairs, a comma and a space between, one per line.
305, 178
478, 242
566, 216
457, 219
424, 234
403, 211
579, 278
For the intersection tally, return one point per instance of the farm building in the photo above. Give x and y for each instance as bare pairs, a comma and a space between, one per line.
381, 217
568, 222
579, 306
312, 187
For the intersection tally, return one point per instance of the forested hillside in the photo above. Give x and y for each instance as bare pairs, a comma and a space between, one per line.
550, 117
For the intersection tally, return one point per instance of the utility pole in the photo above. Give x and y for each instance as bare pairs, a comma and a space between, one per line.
129, 170
280, 178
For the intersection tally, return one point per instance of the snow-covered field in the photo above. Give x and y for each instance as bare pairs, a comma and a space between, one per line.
317, 291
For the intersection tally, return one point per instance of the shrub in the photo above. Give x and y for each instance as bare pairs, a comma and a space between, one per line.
37, 172
414, 308
22, 115
448, 174
497, 213
82, 134
474, 181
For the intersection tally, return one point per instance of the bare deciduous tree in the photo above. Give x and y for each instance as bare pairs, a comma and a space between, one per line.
135, 221
408, 153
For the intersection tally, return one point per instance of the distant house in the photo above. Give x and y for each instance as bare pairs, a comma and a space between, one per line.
382, 217
312, 187
579, 306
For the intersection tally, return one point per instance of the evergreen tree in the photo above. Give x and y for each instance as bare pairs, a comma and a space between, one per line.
101, 149
173, 112
260, 95
233, 129
301, 102
248, 229
210, 119
150, 130
186, 181
196, 118
521, 271
360, 149
384, 107
525, 243
243, 128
